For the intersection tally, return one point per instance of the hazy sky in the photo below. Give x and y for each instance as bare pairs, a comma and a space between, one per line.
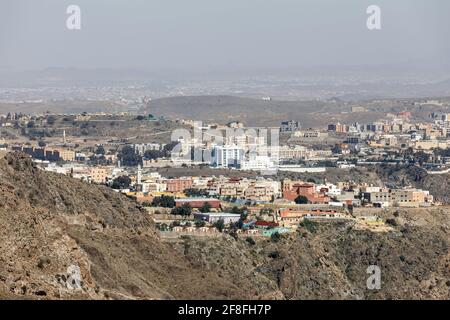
204, 34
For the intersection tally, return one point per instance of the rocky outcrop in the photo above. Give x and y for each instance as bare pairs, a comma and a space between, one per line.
54, 228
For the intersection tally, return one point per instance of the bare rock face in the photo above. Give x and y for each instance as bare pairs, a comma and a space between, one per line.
61, 238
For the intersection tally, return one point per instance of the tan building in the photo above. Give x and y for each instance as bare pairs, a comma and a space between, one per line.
99, 174
408, 197
297, 152
178, 185
426, 144
66, 155
400, 197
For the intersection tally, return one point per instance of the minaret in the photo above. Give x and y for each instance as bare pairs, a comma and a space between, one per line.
64, 136
139, 175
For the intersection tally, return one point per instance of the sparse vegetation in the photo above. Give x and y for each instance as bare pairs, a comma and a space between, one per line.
184, 210
219, 225
301, 200
309, 225
122, 182
250, 241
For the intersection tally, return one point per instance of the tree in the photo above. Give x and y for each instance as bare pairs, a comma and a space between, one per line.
200, 224
167, 149
153, 154
275, 237
129, 157
100, 150
51, 120
175, 224
164, 201
301, 200
391, 222
184, 210
219, 225
205, 208
250, 241
41, 143
140, 118
195, 192
122, 182
238, 224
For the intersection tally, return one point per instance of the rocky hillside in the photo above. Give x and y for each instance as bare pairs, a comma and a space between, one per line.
331, 260
51, 225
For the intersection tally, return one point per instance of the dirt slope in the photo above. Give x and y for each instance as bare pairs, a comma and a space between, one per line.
49, 222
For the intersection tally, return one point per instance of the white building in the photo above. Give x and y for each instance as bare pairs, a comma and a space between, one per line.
227, 156
258, 163
295, 152
333, 190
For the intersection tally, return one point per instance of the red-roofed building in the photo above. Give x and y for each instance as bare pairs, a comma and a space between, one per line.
307, 190
266, 224
197, 203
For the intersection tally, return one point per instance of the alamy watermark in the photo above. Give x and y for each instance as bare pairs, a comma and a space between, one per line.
73, 21
240, 148
73, 281
374, 280
374, 19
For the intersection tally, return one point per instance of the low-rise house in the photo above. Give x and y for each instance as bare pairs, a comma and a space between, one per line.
307, 190
265, 224
279, 230
291, 217
197, 203
214, 217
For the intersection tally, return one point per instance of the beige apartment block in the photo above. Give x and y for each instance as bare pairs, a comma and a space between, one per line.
99, 174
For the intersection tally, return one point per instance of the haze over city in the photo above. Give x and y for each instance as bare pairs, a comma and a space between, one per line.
203, 35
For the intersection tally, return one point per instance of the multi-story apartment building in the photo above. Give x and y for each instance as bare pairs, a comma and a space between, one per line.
399, 197
99, 174
338, 127
178, 185
296, 152
289, 126
66, 155
229, 156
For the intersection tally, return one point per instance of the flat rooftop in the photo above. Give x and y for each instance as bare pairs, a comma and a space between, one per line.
196, 199
219, 214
